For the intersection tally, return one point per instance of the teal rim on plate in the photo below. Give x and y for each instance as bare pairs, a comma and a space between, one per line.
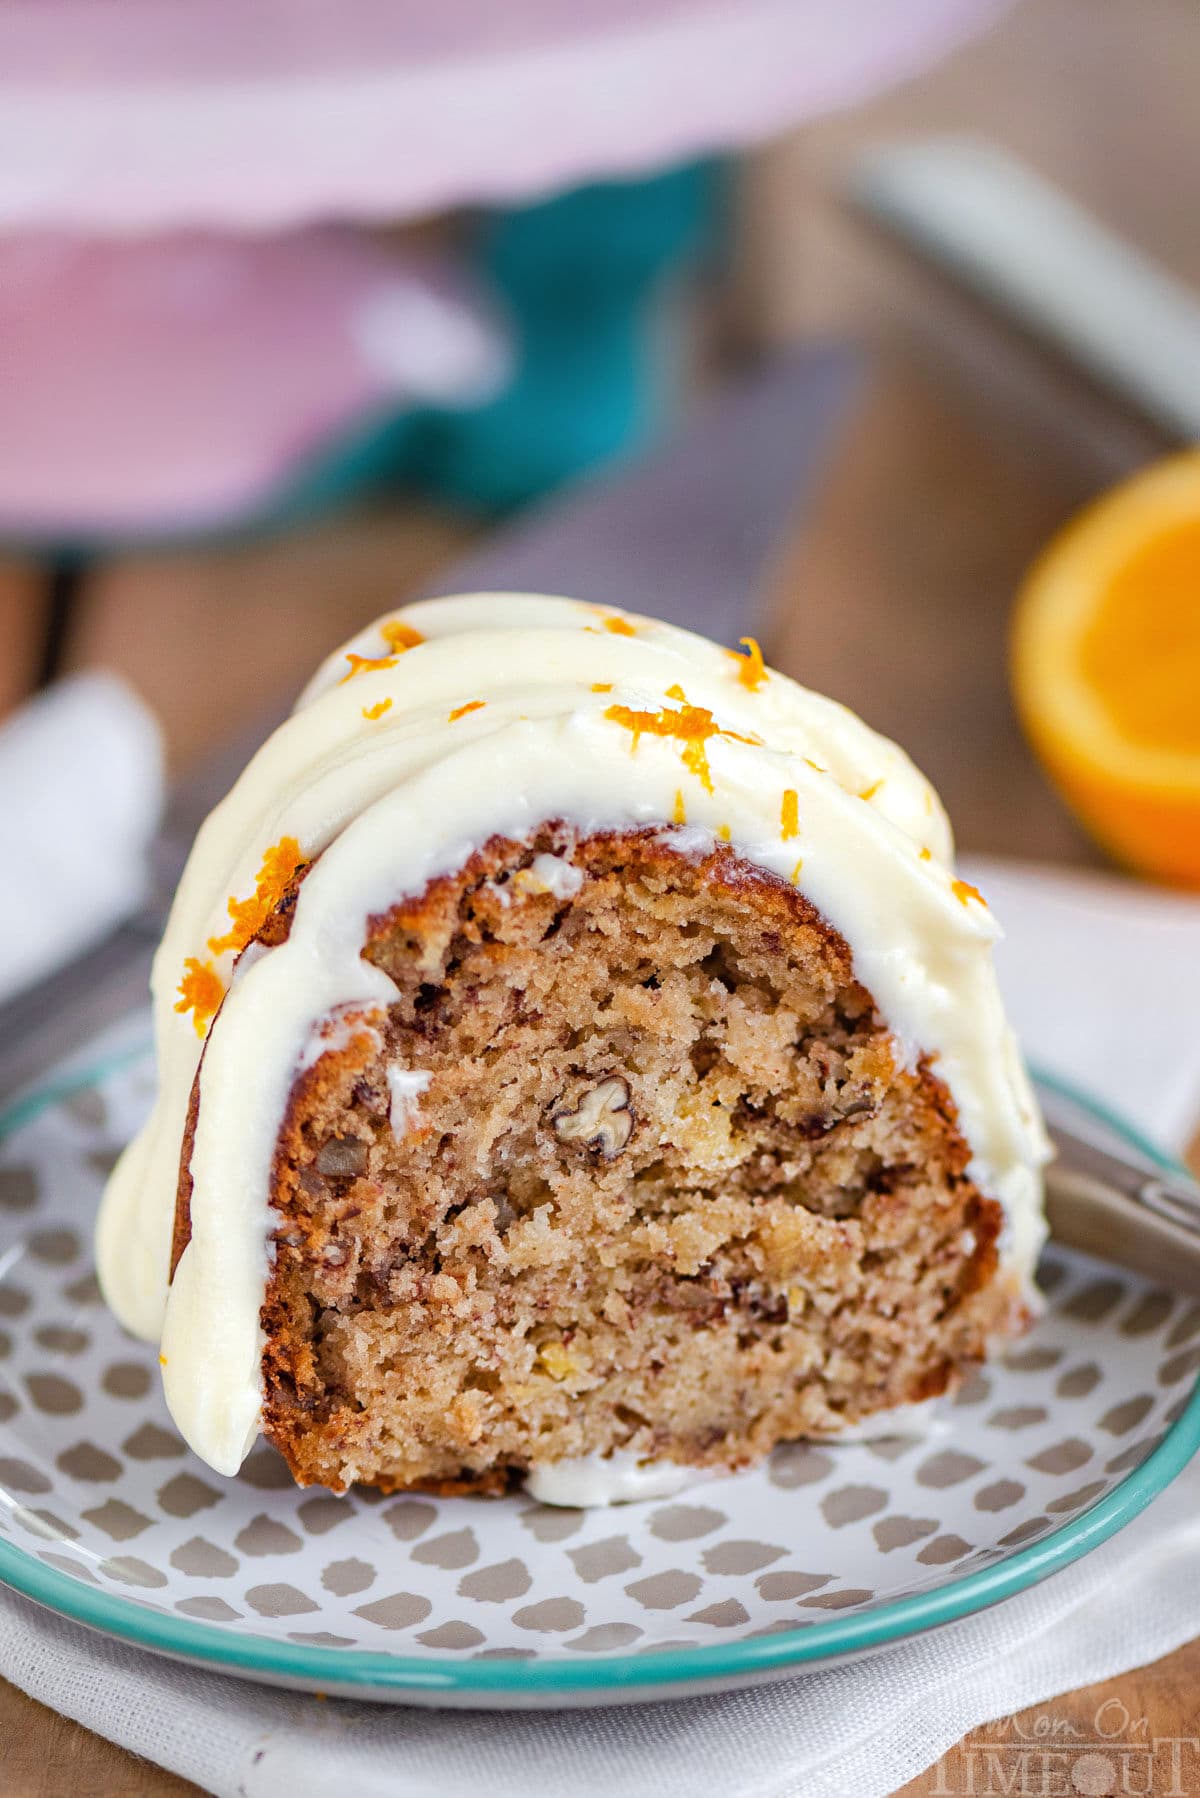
348, 1671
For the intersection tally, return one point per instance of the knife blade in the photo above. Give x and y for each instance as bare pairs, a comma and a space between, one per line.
684, 532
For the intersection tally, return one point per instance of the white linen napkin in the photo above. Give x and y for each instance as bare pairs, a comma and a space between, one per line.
81, 793
1093, 970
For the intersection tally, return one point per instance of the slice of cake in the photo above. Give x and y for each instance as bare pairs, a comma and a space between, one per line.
579, 1061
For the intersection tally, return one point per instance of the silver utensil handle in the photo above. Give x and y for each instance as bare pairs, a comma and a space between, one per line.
1031, 253
1085, 1213
1173, 1197
1121, 1209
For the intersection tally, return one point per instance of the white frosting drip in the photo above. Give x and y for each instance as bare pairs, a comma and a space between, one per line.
616, 1479
550, 874
621, 1478
391, 801
689, 840
406, 1087
926, 1417
330, 1035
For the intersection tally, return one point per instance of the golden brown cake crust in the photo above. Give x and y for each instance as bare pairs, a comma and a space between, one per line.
667, 1191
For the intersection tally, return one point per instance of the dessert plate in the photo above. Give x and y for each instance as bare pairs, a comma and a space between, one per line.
825, 1552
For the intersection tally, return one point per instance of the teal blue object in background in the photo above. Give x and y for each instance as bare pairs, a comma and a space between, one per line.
581, 277
581, 280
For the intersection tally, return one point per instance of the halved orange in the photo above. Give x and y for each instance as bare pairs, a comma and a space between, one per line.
1106, 668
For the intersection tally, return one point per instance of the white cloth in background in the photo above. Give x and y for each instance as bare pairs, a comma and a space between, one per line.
1099, 975
81, 793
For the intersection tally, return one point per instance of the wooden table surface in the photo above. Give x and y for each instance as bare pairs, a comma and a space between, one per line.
963, 455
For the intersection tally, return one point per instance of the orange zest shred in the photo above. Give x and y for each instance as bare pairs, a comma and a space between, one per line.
620, 627
473, 705
399, 636
602, 686
964, 891
870, 792
676, 692
366, 665
927, 855
280, 864
200, 992
162, 1360
724, 832
692, 725
751, 668
816, 765
376, 711
796, 871
679, 815
789, 814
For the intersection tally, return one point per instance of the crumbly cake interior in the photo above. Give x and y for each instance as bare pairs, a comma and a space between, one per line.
667, 1189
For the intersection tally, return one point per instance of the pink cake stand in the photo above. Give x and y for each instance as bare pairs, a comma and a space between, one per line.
181, 328
177, 383
135, 115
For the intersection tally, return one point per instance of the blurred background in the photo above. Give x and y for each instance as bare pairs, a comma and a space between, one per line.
290, 318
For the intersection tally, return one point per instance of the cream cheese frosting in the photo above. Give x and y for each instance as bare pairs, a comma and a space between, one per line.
617, 1479
449, 722
622, 1478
